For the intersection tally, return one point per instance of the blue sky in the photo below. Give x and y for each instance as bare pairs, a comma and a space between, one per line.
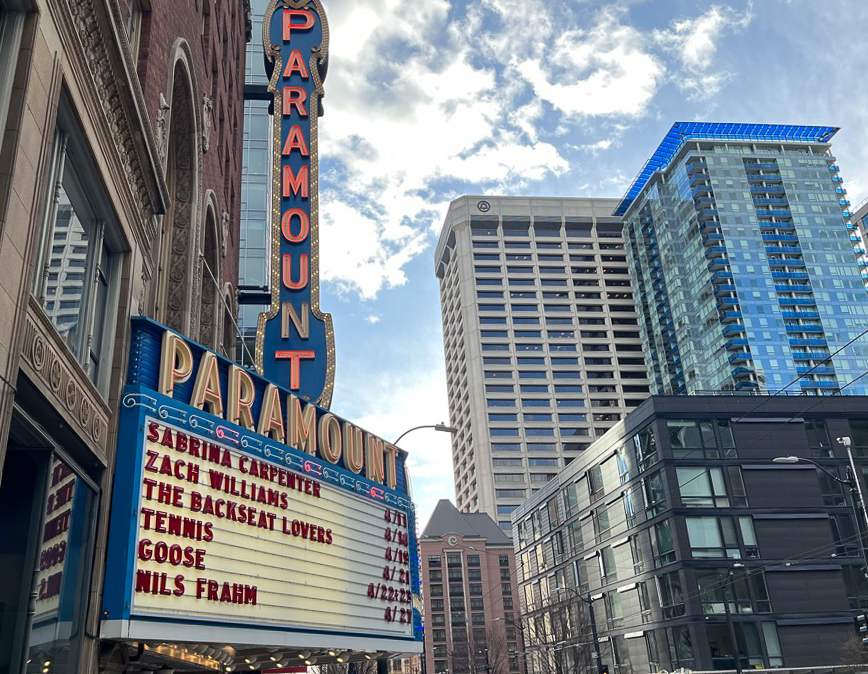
426, 101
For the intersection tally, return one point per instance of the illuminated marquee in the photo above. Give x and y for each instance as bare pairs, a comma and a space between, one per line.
240, 514
295, 341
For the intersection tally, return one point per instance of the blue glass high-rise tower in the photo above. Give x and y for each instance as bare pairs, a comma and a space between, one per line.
746, 263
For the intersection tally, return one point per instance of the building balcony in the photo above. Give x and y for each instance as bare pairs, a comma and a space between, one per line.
844, 202
834, 167
840, 190
807, 342
735, 343
733, 329
742, 385
742, 371
739, 357
786, 263
719, 290
764, 178
804, 369
810, 355
804, 328
727, 302
703, 200
799, 315
717, 264
804, 288
698, 178
729, 316
789, 274
796, 300
760, 166
771, 189
780, 237
711, 239
721, 277
837, 179
771, 212
847, 214
784, 250
695, 165
714, 251
769, 201
824, 384
706, 213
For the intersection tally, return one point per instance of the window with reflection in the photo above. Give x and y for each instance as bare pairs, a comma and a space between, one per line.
669, 589
654, 492
662, 544
702, 487
645, 448
696, 438
818, 438
77, 287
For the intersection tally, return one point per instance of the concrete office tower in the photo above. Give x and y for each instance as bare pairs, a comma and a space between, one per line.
543, 352
469, 589
745, 262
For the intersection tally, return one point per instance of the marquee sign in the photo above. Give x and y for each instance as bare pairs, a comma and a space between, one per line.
243, 515
294, 339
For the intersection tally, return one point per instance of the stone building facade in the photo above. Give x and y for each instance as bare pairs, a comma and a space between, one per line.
120, 156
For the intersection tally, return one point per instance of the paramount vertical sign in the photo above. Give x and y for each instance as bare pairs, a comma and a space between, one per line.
294, 339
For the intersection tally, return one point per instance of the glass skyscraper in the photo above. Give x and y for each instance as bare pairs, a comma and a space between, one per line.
746, 262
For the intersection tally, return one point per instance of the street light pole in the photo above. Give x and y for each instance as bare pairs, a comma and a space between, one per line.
846, 442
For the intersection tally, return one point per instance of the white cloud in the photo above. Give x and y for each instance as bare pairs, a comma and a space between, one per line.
694, 42
406, 114
372, 319
605, 70
405, 399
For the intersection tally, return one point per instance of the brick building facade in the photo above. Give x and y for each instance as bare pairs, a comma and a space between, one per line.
120, 159
469, 589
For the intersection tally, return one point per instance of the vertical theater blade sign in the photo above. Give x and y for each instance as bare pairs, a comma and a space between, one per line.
294, 339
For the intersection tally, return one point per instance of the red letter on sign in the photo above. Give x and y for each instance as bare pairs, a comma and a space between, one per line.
295, 141
303, 272
295, 64
295, 184
294, 365
289, 26
286, 225
294, 96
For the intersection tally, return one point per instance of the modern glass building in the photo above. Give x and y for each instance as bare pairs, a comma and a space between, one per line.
253, 267
694, 547
746, 262
542, 345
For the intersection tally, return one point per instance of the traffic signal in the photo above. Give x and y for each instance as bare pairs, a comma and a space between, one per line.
604, 668
862, 627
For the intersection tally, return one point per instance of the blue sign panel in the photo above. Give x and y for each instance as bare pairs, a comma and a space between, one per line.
294, 339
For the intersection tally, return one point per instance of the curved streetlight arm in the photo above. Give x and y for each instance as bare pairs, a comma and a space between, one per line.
799, 459
437, 427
